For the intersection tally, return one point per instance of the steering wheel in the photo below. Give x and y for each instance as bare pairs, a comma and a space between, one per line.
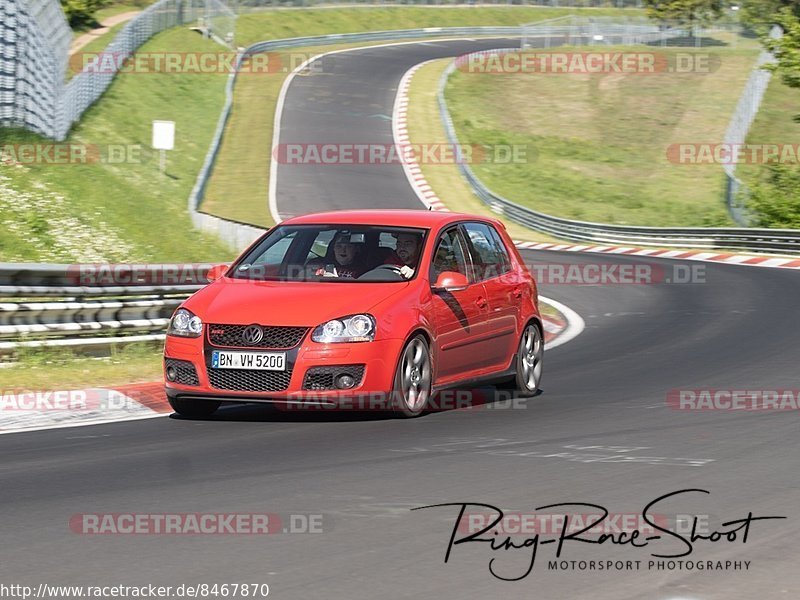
376, 271
393, 268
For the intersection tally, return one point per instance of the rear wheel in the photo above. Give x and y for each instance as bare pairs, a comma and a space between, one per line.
187, 407
412, 382
529, 362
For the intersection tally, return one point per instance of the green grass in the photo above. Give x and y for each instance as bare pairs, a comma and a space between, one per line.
62, 369
597, 144
273, 24
774, 124
425, 127
126, 212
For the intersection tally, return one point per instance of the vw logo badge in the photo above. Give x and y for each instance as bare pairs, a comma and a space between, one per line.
253, 334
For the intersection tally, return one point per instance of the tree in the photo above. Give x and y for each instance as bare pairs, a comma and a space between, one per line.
775, 201
761, 15
686, 12
81, 12
787, 48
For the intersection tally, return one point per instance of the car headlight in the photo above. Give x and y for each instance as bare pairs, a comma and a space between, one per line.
355, 328
185, 324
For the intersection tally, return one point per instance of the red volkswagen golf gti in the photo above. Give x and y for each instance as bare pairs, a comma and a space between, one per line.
393, 305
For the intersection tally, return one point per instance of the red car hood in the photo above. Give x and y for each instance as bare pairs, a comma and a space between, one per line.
306, 304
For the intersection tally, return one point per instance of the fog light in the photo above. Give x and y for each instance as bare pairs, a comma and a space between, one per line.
171, 373
345, 381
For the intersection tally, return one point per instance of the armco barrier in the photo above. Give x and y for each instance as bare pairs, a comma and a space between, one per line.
52, 305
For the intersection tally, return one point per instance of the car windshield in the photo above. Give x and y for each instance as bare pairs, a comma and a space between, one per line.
334, 253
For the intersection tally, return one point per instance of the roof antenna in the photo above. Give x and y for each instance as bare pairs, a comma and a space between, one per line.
430, 207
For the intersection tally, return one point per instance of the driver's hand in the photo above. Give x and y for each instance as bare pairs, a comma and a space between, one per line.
406, 271
322, 272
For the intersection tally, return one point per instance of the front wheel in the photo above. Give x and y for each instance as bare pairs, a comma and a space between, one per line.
194, 409
412, 382
529, 362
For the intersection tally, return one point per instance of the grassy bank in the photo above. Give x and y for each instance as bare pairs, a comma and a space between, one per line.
774, 124
597, 144
62, 369
122, 209
425, 127
286, 23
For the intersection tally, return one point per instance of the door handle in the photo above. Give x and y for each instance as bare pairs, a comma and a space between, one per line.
517, 292
481, 302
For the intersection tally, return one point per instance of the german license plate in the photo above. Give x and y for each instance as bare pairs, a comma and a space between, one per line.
260, 361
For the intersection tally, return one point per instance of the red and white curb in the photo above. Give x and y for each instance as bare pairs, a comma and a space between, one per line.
701, 255
430, 199
400, 132
31, 411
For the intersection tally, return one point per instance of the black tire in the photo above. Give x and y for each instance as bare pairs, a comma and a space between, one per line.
413, 378
194, 409
528, 377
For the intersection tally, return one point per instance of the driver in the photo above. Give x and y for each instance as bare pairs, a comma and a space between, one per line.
348, 259
406, 254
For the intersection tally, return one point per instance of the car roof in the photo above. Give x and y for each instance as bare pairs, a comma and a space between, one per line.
390, 217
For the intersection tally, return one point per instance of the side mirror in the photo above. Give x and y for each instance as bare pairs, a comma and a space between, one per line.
451, 281
216, 272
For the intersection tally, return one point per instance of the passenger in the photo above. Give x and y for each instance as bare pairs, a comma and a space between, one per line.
406, 254
347, 260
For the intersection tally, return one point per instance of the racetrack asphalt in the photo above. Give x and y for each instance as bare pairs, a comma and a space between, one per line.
601, 432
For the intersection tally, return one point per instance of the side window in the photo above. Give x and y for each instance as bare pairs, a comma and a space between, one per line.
502, 251
319, 247
275, 254
450, 254
387, 240
489, 254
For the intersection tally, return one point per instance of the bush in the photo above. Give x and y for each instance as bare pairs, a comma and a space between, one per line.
81, 12
775, 200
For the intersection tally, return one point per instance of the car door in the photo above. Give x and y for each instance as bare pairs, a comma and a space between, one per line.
492, 267
459, 315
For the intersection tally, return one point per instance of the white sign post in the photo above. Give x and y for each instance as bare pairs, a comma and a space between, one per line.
163, 140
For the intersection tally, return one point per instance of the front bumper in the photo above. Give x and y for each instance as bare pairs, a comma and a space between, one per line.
379, 360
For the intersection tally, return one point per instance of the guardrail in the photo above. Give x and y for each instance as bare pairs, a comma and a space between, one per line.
83, 305
782, 241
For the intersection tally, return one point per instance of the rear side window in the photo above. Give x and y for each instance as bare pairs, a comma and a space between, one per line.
450, 255
488, 251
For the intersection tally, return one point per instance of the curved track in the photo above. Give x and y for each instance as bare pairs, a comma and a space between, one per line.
604, 395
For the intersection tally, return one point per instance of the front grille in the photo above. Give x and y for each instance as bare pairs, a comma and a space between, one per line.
186, 374
323, 378
249, 380
275, 338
